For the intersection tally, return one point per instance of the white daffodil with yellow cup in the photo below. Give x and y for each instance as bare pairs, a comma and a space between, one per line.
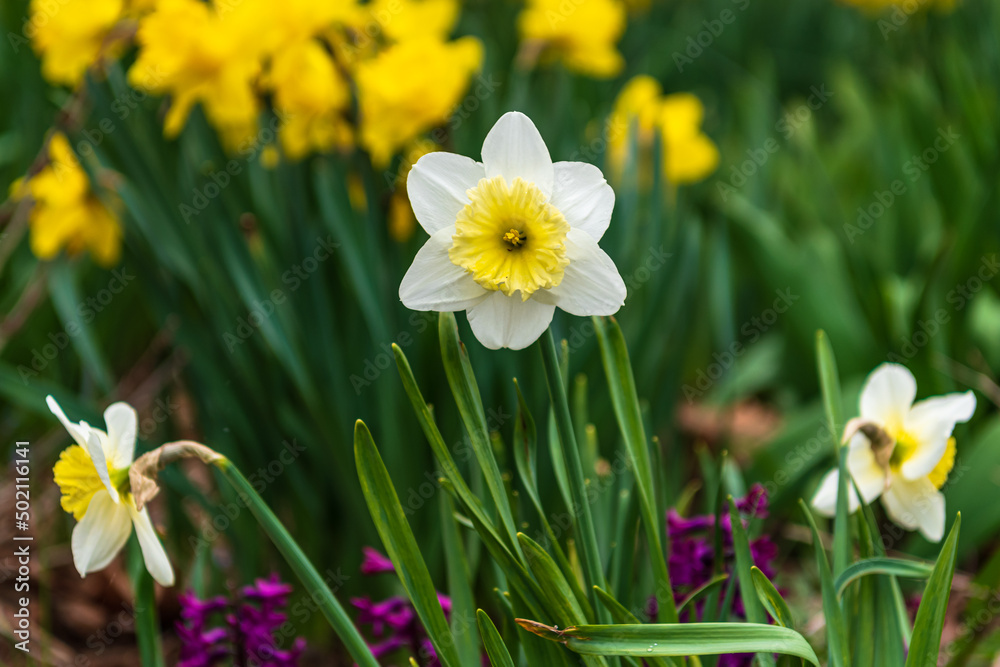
511, 238
93, 476
900, 451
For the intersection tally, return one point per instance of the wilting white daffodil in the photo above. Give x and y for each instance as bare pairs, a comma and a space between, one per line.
93, 476
900, 450
512, 237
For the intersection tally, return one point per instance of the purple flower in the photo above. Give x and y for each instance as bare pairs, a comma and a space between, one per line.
692, 556
244, 629
393, 623
375, 563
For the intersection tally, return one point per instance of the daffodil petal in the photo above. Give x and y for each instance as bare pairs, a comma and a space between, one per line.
866, 472
591, 284
507, 321
583, 196
100, 534
824, 500
930, 422
436, 186
887, 395
123, 426
916, 505
514, 148
95, 448
152, 549
75, 430
433, 282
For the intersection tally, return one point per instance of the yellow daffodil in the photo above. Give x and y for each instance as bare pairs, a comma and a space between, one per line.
292, 22
65, 214
93, 478
311, 98
199, 53
582, 33
900, 450
511, 238
71, 34
400, 20
688, 154
410, 88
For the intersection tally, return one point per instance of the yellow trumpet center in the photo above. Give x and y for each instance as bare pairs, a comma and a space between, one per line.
906, 446
510, 238
77, 477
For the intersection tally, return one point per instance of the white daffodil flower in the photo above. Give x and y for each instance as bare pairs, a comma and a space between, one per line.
511, 238
93, 478
900, 450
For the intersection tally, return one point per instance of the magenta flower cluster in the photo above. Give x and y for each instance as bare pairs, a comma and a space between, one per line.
393, 623
238, 631
692, 555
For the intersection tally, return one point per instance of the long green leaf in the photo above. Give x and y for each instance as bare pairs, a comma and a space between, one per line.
894, 566
771, 599
830, 384
495, 648
625, 400
586, 537
836, 631
459, 587
673, 639
744, 576
147, 626
925, 645
623, 616
300, 564
449, 468
401, 545
463, 385
525, 458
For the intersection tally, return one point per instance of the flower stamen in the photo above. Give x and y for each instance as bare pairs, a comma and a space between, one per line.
515, 238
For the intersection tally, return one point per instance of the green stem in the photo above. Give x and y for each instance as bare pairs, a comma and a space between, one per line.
147, 623
589, 553
304, 570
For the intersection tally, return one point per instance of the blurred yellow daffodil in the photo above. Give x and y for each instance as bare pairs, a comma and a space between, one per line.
93, 478
70, 35
311, 98
65, 213
411, 87
199, 53
400, 20
582, 33
689, 155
